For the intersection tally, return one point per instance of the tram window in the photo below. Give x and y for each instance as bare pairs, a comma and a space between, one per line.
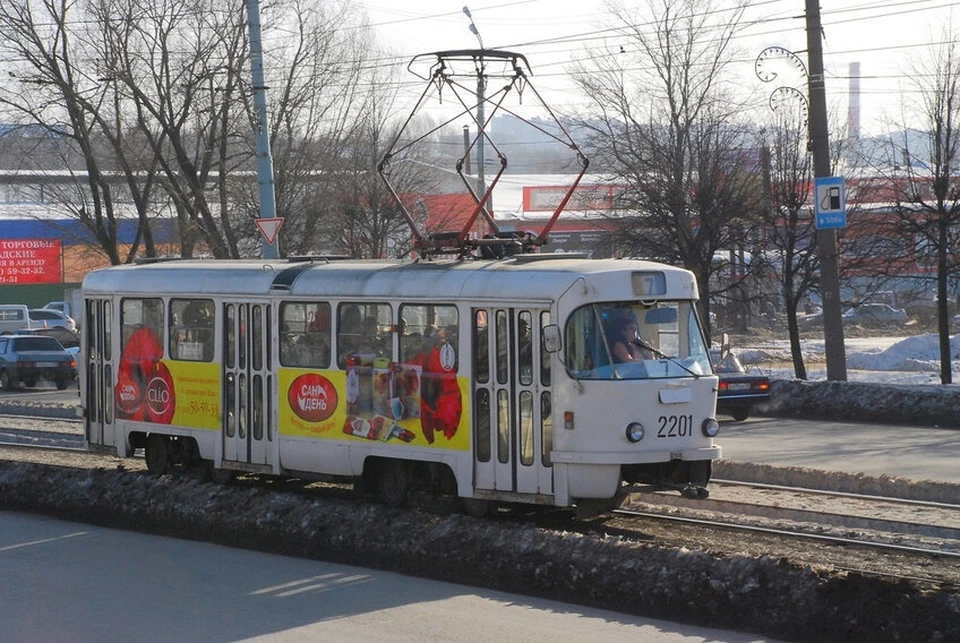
481, 347
526, 428
544, 355
525, 347
256, 347
229, 346
503, 426
191, 329
482, 424
502, 347
107, 386
268, 335
107, 348
546, 422
258, 407
425, 329
91, 325
242, 343
93, 402
141, 327
363, 333
230, 415
305, 334
242, 407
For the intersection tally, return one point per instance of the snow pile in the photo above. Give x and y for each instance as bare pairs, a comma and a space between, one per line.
919, 353
890, 379
897, 360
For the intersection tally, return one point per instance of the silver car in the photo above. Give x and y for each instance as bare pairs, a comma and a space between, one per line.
876, 314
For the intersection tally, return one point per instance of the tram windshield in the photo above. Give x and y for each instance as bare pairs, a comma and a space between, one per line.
635, 340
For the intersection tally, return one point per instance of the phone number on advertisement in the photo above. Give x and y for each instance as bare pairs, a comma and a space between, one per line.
204, 409
36, 270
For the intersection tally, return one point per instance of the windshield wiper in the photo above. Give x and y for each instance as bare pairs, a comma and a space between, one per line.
658, 353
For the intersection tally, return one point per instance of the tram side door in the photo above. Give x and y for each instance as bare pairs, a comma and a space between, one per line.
98, 372
248, 382
512, 430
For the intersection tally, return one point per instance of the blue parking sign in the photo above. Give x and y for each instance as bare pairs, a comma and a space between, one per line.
829, 202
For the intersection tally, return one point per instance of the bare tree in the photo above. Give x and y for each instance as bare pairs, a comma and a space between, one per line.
178, 65
48, 46
159, 92
790, 226
928, 194
666, 130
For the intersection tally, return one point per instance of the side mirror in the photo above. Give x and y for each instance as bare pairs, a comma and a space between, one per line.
551, 338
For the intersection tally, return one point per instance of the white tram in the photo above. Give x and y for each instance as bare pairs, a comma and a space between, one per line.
492, 380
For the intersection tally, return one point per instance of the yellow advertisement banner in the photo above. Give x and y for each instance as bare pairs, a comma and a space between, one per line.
396, 405
196, 386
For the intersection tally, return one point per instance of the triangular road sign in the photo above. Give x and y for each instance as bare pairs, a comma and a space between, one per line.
269, 228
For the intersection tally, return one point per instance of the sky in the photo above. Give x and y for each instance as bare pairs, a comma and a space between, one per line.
887, 38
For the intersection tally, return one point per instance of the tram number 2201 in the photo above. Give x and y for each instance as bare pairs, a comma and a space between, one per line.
675, 426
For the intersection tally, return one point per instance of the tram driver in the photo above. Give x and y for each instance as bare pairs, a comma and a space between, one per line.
627, 345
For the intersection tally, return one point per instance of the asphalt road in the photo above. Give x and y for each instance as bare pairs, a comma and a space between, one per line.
873, 449
76, 582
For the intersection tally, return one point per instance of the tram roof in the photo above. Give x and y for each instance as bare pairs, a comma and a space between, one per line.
522, 277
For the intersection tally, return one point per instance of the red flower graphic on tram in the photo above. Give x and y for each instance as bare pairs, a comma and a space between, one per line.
144, 389
440, 402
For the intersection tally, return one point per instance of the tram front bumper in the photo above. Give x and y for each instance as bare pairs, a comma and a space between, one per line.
598, 474
712, 452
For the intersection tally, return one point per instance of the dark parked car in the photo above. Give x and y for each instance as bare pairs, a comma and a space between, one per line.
30, 358
739, 390
67, 339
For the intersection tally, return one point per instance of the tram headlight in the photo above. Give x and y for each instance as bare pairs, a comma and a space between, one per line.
635, 432
710, 427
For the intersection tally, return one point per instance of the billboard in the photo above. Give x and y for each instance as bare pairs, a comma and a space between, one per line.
597, 244
585, 197
30, 261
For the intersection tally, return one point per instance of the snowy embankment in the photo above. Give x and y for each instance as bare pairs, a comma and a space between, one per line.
768, 595
890, 379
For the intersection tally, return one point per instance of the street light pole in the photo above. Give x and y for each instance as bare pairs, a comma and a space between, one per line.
268, 206
481, 117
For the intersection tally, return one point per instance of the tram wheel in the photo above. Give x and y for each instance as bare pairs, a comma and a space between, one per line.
157, 454
475, 507
393, 482
699, 472
219, 476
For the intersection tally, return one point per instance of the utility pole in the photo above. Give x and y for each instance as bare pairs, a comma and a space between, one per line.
268, 204
826, 238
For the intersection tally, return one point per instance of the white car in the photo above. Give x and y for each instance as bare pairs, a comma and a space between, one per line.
49, 318
875, 314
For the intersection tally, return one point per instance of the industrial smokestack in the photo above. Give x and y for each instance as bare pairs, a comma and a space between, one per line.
853, 113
